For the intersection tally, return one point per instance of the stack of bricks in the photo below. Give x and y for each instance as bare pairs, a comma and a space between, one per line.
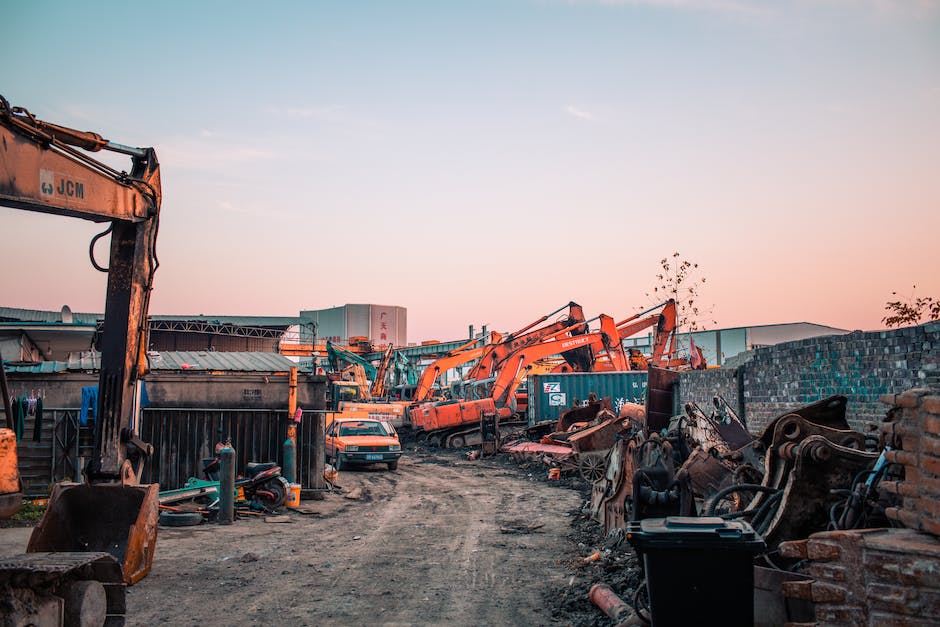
885, 576
869, 576
914, 434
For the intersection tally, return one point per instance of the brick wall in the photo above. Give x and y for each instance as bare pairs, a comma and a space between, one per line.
861, 366
869, 577
914, 436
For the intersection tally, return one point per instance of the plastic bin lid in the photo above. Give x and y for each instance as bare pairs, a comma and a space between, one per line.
688, 531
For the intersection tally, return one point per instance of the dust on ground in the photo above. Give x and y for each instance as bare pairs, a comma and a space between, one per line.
440, 540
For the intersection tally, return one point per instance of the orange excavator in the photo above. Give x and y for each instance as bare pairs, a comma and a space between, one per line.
42, 169
454, 424
491, 360
461, 355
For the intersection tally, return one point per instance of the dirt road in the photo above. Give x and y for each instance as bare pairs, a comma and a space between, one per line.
441, 541
420, 546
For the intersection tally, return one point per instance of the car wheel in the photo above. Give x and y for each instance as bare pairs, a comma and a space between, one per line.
338, 464
393, 465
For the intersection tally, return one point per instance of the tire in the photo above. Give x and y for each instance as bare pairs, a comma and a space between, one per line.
179, 519
338, 464
276, 488
456, 441
393, 465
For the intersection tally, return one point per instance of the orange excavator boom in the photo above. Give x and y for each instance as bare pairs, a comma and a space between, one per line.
490, 362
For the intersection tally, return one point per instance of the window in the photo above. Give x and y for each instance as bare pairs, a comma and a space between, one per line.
362, 427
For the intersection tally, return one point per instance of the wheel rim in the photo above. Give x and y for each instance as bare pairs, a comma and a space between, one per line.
592, 468
457, 441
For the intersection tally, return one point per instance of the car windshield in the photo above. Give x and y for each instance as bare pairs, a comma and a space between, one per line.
362, 427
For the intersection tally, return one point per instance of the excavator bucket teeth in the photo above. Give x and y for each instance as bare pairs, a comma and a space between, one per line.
117, 519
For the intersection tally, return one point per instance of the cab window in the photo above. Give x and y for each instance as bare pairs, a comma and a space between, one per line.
362, 428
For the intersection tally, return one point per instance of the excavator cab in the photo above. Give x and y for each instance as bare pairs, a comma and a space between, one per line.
45, 172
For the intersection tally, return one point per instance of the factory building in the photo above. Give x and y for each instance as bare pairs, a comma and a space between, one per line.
377, 324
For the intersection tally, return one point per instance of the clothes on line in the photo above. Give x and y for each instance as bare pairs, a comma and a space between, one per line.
89, 404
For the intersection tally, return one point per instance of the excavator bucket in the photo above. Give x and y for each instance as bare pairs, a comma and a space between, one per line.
113, 518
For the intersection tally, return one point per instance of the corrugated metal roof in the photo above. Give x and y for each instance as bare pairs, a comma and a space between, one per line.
77, 362
242, 321
12, 314
213, 360
172, 361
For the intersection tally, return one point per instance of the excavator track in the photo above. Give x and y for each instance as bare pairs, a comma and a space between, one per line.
67, 588
459, 438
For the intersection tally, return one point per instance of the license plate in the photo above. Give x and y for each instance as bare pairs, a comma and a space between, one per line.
373, 456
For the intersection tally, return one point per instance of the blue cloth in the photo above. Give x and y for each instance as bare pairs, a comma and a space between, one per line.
144, 398
89, 404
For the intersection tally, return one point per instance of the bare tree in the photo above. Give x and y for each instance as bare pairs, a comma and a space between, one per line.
911, 310
680, 280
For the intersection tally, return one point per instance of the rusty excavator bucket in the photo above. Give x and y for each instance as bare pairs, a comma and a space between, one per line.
113, 518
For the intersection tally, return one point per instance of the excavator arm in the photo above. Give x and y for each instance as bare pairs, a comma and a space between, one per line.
514, 367
489, 363
457, 357
379, 388
337, 356
42, 169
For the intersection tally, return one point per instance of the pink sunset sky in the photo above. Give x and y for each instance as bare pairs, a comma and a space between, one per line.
486, 162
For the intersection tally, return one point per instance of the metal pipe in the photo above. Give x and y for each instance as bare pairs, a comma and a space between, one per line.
607, 600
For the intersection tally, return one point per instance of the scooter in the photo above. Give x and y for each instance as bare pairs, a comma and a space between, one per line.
263, 485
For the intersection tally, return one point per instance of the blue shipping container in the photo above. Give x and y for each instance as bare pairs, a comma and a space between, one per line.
551, 394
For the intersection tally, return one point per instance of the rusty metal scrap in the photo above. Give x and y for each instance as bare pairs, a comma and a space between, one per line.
583, 414
599, 437
723, 452
613, 496
805, 463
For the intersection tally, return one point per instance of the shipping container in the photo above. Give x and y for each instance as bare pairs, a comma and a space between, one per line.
551, 394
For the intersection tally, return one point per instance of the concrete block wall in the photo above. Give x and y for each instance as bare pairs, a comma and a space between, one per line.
862, 366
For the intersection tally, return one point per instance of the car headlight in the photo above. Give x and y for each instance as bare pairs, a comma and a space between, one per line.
352, 449
394, 447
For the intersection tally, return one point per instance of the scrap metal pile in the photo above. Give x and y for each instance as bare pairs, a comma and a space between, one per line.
808, 472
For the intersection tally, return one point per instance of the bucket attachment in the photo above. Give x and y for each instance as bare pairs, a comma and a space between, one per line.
113, 518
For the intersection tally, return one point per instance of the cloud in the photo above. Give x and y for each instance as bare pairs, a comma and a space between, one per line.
578, 113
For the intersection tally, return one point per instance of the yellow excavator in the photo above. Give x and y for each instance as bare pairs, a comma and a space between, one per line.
97, 536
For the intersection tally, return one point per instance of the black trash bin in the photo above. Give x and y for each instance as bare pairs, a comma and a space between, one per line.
698, 570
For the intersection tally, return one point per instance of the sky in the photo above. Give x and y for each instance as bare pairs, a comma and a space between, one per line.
487, 162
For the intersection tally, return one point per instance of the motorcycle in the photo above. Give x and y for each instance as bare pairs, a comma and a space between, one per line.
262, 486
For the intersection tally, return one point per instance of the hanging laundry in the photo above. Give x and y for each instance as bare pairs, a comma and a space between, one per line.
89, 404
37, 423
19, 417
